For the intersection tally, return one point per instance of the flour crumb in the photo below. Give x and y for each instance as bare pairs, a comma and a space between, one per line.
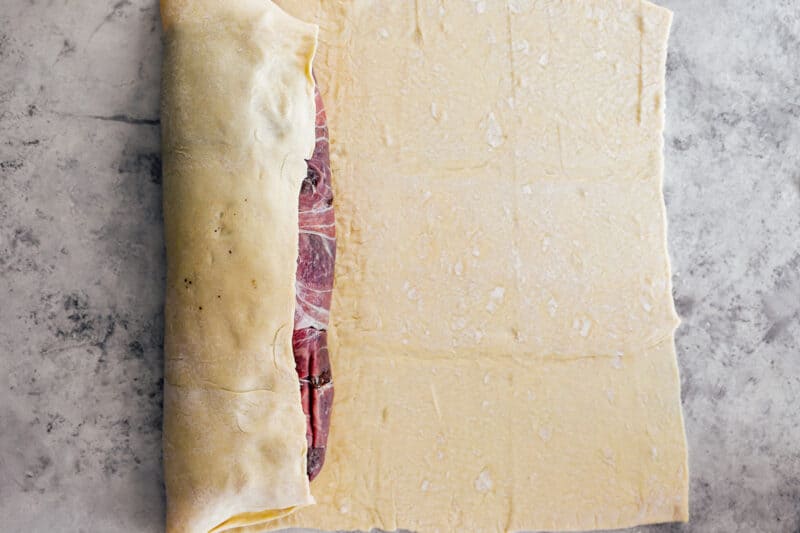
545, 434
483, 483
515, 6
544, 59
608, 456
587, 325
494, 133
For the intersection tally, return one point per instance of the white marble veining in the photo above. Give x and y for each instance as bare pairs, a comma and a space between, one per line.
82, 262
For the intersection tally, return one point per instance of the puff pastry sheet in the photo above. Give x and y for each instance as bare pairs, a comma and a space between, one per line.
503, 317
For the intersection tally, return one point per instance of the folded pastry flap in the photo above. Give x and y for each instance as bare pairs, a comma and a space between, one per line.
237, 125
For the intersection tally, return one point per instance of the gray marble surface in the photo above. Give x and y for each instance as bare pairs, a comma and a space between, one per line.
82, 262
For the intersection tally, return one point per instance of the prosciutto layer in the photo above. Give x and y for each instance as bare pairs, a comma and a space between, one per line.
315, 262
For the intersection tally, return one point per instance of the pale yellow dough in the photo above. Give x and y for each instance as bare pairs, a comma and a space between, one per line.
503, 321
237, 122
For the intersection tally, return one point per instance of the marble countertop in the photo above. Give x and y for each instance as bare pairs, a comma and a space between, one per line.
82, 262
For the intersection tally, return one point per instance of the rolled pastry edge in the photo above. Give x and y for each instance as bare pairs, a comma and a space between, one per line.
238, 123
